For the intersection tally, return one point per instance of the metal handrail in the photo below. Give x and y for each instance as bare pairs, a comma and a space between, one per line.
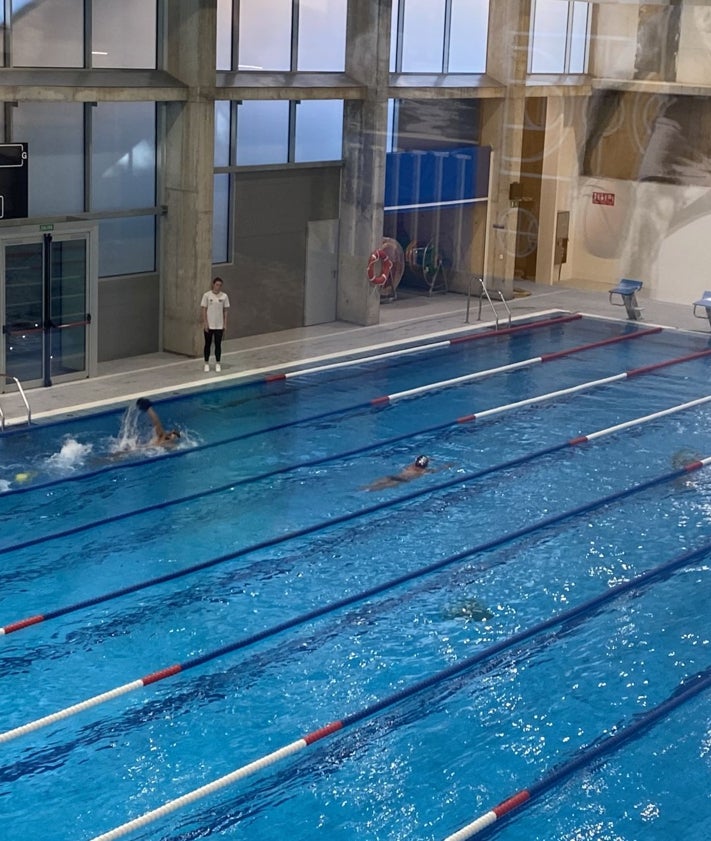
24, 400
485, 294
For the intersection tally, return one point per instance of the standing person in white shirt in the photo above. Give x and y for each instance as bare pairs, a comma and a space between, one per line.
214, 306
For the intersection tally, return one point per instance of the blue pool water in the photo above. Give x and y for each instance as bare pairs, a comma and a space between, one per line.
260, 518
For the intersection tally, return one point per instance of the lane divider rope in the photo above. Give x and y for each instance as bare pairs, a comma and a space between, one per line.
586, 608
175, 669
383, 443
35, 619
446, 343
182, 453
513, 366
688, 689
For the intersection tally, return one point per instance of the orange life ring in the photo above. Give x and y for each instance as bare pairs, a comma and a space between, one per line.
386, 266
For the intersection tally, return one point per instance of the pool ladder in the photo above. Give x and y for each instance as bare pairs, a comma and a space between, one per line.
24, 400
485, 294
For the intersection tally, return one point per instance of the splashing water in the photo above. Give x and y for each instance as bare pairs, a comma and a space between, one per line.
128, 434
71, 456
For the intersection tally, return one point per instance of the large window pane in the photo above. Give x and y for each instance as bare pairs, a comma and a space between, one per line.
222, 133
262, 132
319, 131
579, 38
322, 35
124, 156
468, 36
265, 35
220, 218
224, 34
423, 36
127, 246
55, 134
123, 34
550, 24
48, 34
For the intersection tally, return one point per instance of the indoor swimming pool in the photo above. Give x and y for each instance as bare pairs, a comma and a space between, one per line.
248, 636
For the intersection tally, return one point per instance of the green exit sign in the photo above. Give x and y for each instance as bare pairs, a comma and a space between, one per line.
46, 227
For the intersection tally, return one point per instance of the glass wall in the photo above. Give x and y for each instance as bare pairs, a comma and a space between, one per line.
52, 33
282, 35
54, 133
439, 36
123, 34
121, 162
559, 30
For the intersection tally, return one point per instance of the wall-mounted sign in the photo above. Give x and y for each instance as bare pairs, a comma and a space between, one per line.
604, 198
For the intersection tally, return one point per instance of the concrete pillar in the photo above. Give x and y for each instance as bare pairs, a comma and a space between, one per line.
364, 143
502, 128
187, 188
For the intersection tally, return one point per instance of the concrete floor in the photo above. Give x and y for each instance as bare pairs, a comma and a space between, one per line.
411, 315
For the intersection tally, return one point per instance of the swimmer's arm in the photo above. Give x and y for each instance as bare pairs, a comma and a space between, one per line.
157, 425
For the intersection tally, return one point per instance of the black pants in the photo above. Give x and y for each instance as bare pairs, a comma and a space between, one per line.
217, 335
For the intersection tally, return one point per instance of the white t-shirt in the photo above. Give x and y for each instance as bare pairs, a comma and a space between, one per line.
215, 306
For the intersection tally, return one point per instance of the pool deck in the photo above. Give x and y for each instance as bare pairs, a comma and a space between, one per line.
412, 315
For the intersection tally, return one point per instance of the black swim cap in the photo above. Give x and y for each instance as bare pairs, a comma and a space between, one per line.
144, 404
422, 461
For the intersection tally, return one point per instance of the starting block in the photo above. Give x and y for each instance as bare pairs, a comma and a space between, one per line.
704, 303
627, 290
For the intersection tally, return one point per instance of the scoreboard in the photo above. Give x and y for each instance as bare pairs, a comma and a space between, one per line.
13, 180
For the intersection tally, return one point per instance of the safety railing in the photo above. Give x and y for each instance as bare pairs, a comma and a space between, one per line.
24, 400
485, 294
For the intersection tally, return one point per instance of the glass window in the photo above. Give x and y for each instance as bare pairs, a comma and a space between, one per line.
224, 34
423, 36
123, 162
262, 132
222, 133
322, 35
220, 218
127, 246
55, 134
468, 36
123, 34
559, 35
265, 35
48, 34
579, 38
548, 43
319, 130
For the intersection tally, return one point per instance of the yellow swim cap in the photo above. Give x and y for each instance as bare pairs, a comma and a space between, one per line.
22, 477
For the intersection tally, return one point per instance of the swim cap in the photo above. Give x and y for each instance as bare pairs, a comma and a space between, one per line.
422, 461
144, 404
22, 477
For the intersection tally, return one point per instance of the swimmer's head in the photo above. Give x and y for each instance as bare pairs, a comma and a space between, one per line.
173, 435
422, 462
20, 478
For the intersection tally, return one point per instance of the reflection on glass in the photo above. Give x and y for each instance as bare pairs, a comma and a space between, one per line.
220, 218
579, 38
123, 163
55, 134
128, 246
123, 34
49, 34
468, 36
262, 132
322, 35
423, 36
68, 306
23, 311
224, 34
222, 133
319, 131
265, 35
548, 41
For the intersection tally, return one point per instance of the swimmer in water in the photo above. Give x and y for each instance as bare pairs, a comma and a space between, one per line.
418, 468
161, 438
